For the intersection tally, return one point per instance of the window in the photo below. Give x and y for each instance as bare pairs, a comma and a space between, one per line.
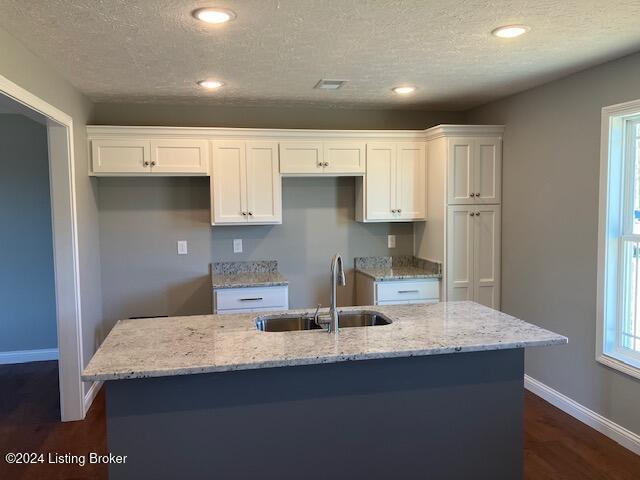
618, 339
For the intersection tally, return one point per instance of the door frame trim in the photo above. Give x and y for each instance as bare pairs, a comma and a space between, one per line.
65, 245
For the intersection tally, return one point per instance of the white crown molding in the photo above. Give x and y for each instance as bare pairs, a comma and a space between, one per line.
107, 131
24, 356
463, 131
615, 432
97, 131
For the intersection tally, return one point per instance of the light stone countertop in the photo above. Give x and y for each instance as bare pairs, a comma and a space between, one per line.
405, 267
218, 343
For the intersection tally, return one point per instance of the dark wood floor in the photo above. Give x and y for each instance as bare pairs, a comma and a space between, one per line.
557, 447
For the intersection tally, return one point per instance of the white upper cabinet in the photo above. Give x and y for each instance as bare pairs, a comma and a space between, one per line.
166, 156
245, 183
344, 158
121, 156
488, 170
264, 185
411, 181
322, 158
474, 170
379, 190
301, 157
394, 185
460, 178
180, 156
229, 183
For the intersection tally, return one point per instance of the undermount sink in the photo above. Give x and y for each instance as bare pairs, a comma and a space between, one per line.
285, 323
362, 319
290, 323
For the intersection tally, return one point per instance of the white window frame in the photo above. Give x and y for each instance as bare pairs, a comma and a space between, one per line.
612, 227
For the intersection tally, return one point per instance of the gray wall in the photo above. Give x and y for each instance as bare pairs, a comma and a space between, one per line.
22, 67
27, 287
142, 218
266, 117
550, 224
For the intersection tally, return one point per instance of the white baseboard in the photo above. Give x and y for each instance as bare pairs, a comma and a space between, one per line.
615, 432
24, 356
91, 395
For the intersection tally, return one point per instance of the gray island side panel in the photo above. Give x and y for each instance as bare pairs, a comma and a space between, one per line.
454, 416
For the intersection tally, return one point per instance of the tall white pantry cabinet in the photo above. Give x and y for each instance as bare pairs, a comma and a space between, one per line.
463, 228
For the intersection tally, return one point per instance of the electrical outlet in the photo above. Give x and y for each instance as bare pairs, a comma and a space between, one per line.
237, 245
182, 247
391, 241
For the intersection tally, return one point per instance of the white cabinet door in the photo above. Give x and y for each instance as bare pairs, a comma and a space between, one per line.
380, 182
126, 156
460, 253
264, 185
460, 175
488, 170
344, 157
301, 158
410, 181
180, 156
487, 255
229, 182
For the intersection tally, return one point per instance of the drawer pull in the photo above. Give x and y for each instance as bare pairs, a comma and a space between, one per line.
408, 291
253, 299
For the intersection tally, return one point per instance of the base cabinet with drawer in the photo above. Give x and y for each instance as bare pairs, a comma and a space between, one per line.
250, 299
396, 292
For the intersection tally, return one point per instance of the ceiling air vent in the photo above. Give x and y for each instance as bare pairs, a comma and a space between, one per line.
330, 84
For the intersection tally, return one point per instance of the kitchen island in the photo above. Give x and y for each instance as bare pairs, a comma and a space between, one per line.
437, 393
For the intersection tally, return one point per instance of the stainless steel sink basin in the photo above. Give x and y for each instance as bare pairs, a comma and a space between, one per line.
361, 319
291, 323
285, 323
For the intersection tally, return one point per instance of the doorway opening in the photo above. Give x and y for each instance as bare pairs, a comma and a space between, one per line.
40, 279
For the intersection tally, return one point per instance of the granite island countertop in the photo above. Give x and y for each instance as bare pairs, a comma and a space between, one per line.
218, 343
405, 267
262, 273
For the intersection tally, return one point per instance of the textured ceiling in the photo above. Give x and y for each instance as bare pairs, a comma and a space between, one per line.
277, 50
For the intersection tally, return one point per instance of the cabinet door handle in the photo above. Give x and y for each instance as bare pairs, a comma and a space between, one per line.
477, 214
244, 214
471, 214
399, 210
146, 164
153, 164
325, 164
253, 299
408, 291
251, 214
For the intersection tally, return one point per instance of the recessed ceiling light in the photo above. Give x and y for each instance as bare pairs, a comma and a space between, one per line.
210, 84
214, 15
510, 31
404, 90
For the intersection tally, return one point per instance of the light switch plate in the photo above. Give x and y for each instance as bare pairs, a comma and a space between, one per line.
182, 247
391, 241
237, 245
